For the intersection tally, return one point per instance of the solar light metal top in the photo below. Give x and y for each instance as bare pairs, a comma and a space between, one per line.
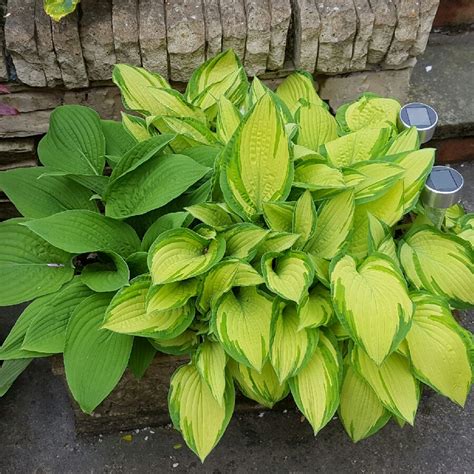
421, 116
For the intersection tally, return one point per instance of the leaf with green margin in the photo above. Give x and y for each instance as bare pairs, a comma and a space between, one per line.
210, 360
304, 219
392, 382
313, 175
29, 266
58, 9
252, 175
442, 264
317, 310
316, 387
71, 231
372, 112
439, 349
180, 345
47, 331
291, 348
152, 185
243, 324
321, 269
276, 242
279, 216
10, 371
262, 387
141, 357
110, 273
361, 412
94, 359
196, 413
179, 254
75, 142
228, 119
166, 222
243, 239
335, 221
298, 85
213, 214
171, 295
408, 140
381, 240
371, 300
118, 140
136, 127
35, 197
288, 275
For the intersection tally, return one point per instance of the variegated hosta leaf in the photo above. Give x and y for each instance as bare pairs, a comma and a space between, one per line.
333, 227
392, 381
372, 301
246, 275
372, 111
242, 321
210, 361
213, 214
380, 176
279, 216
304, 218
417, 165
381, 240
362, 145
263, 387
183, 344
228, 119
242, 240
199, 417
289, 275
316, 310
301, 153
316, 126
408, 140
298, 85
315, 388
361, 412
291, 348
171, 295
134, 84
440, 263
439, 348
179, 254
136, 127
321, 269
276, 242
257, 163
313, 175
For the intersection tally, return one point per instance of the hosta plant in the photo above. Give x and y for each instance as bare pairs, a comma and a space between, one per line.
281, 247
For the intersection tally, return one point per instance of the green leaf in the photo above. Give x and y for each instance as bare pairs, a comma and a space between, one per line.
439, 263
118, 140
141, 357
263, 387
94, 358
75, 142
289, 275
110, 273
242, 322
179, 254
183, 344
439, 348
196, 413
316, 386
291, 348
166, 222
252, 175
137, 263
96, 183
10, 371
47, 331
152, 185
35, 197
71, 231
29, 266
298, 85
372, 302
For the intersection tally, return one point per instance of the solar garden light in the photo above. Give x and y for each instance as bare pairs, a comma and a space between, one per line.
421, 116
442, 190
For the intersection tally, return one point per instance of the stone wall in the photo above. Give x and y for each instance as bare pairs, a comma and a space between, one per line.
351, 46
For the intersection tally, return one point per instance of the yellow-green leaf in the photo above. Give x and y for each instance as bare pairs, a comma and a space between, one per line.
58, 9
304, 218
242, 240
316, 310
228, 119
408, 140
136, 126
183, 344
298, 85
171, 295
279, 216
276, 242
313, 175
372, 111
212, 214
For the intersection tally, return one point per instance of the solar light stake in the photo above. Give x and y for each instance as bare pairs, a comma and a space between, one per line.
442, 190
421, 116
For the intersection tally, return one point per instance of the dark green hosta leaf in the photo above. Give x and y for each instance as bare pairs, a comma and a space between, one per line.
10, 371
94, 358
141, 357
117, 139
96, 183
137, 264
110, 273
29, 266
84, 231
75, 142
162, 224
40, 197
205, 155
152, 185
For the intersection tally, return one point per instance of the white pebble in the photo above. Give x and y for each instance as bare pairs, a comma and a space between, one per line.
428, 68
176, 464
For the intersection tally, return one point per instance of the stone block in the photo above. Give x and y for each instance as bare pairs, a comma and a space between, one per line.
257, 46
306, 28
106, 101
404, 37
3, 63
341, 89
280, 14
34, 100
152, 36
365, 26
385, 19
17, 150
212, 22
186, 37
428, 9
338, 30
44, 44
234, 26
125, 31
20, 41
27, 124
67, 45
97, 38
